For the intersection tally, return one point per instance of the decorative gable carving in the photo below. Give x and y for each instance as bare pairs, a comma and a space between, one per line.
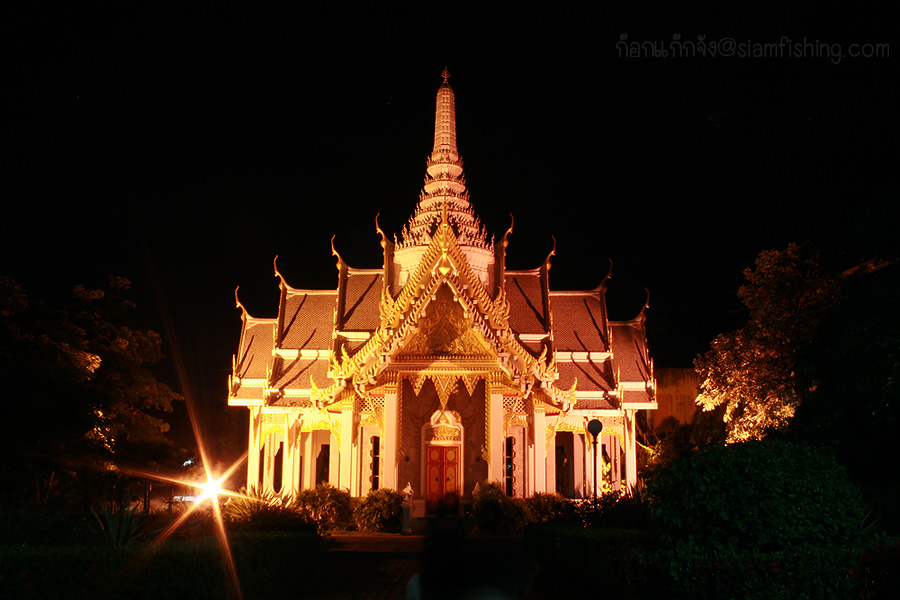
444, 332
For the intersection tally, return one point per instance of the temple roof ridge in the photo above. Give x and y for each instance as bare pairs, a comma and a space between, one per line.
534, 271
592, 292
312, 292
364, 270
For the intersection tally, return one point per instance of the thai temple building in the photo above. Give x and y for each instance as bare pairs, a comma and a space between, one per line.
442, 369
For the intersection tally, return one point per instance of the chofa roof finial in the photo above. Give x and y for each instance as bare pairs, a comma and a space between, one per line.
277, 272
512, 221
552, 252
380, 232
237, 302
334, 252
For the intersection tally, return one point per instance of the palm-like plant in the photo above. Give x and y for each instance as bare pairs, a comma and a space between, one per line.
117, 526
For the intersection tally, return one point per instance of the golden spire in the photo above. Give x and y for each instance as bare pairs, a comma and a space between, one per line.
445, 123
445, 184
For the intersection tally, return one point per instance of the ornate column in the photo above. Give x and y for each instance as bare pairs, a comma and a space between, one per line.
334, 458
589, 466
495, 437
288, 468
268, 452
581, 465
347, 480
539, 479
253, 449
391, 429
550, 466
309, 461
630, 451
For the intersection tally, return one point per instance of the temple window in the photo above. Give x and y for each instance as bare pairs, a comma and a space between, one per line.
376, 460
322, 464
509, 455
277, 468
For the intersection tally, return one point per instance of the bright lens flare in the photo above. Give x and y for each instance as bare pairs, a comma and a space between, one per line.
211, 490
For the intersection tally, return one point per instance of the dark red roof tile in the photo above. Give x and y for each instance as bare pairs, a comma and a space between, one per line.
307, 320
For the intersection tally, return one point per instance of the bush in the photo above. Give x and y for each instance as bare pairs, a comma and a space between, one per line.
761, 519
266, 511
544, 508
327, 506
118, 526
761, 495
251, 503
495, 513
379, 511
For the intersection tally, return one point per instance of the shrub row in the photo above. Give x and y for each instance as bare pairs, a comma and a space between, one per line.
324, 508
495, 513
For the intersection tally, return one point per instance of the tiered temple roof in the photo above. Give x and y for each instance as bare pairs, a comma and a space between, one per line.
564, 338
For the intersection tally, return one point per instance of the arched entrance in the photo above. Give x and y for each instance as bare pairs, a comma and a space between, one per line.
442, 440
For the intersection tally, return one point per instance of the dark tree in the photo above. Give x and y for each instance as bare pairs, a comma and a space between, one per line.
852, 373
78, 391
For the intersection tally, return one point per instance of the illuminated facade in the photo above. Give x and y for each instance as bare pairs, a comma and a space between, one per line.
441, 369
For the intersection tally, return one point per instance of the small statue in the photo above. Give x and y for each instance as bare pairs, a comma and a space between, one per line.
406, 510
407, 494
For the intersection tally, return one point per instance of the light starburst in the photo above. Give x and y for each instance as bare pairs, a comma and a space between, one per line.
211, 490
209, 494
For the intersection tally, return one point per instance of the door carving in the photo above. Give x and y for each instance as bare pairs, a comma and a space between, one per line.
442, 477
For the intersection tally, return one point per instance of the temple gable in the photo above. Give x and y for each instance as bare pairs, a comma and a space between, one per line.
443, 331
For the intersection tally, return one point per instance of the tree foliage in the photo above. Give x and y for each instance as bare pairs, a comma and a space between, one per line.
672, 440
77, 389
127, 418
853, 368
852, 374
753, 372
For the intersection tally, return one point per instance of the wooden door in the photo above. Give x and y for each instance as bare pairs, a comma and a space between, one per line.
442, 477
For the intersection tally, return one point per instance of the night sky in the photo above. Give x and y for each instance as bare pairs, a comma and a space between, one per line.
183, 148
